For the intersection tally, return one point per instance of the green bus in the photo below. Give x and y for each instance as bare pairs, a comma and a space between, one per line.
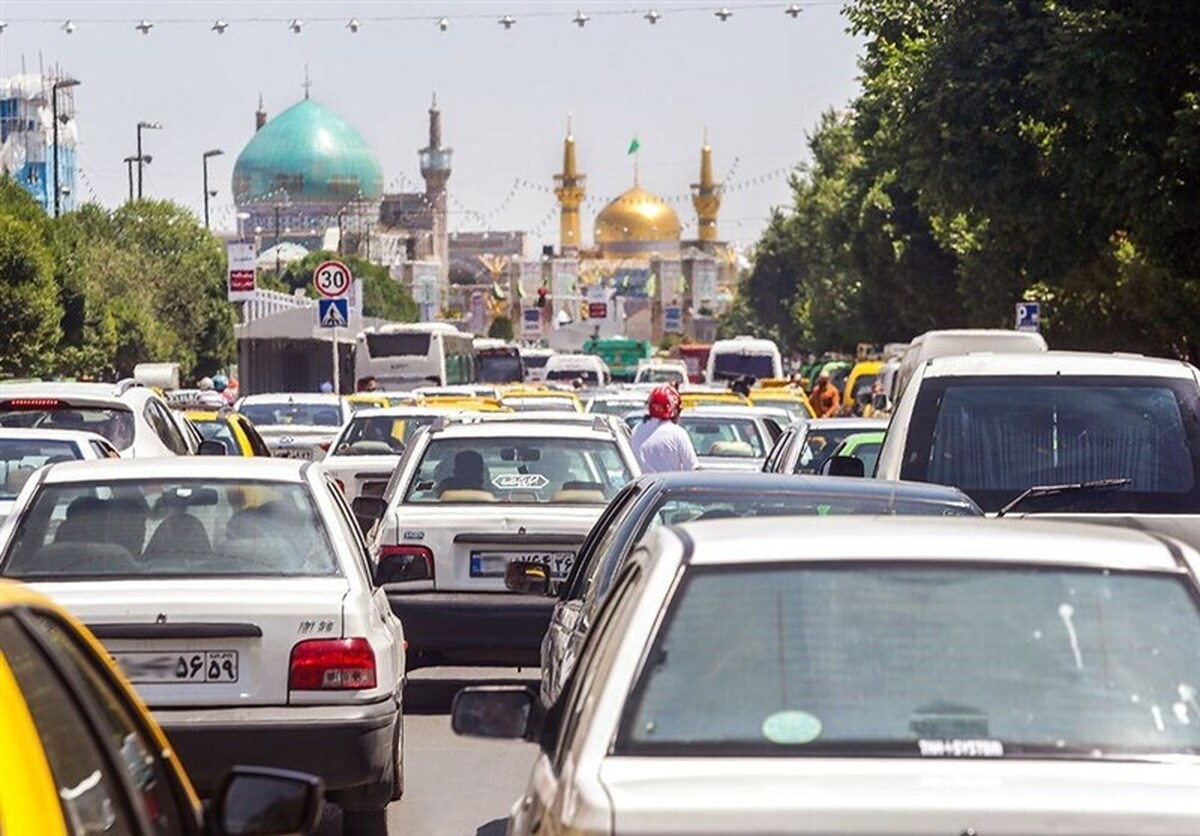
620, 354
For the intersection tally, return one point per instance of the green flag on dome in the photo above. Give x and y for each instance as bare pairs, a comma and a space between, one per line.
634, 145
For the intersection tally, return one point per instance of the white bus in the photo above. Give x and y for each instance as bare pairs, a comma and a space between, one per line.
404, 356
743, 356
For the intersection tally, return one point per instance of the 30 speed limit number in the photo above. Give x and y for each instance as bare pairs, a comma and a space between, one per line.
332, 279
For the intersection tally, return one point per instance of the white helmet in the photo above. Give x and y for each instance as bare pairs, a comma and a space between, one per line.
204, 384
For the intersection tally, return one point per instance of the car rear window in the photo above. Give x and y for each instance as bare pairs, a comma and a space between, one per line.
293, 414
522, 470
724, 437
114, 423
380, 434
164, 528
996, 437
19, 458
904, 659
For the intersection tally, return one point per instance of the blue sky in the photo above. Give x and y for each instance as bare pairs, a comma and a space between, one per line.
757, 82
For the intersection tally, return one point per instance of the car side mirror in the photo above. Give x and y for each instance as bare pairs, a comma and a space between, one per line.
527, 577
212, 447
368, 510
843, 466
498, 712
256, 801
414, 564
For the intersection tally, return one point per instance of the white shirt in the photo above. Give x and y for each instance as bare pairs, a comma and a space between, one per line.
663, 446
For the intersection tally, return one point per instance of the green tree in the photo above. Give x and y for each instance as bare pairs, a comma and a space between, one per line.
29, 308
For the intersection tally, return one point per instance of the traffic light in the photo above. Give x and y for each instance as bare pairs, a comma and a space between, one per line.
542, 297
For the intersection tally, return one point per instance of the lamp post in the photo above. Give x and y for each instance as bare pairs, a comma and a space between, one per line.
129, 161
215, 152
54, 88
141, 161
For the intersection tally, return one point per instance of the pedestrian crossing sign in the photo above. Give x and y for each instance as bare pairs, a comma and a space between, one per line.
333, 313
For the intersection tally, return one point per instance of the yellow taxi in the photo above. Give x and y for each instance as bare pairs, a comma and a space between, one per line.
691, 400
794, 400
857, 393
80, 753
232, 429
538, 399
466, 403
373, 400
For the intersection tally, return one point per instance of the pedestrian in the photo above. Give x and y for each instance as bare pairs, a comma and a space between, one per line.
743, 385
659, 443
326, 388
367, 384
824, 398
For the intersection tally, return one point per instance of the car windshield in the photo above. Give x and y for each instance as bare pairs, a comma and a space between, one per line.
500, 368
996, 437
293, 414
540, 404
172, 527
521, 470
819, 444
728, 366
604, 406
921, 660
661, 375
376, 435
866, 451
20, 457
218, 430
589, 376
724, 437
535, 361
114, 423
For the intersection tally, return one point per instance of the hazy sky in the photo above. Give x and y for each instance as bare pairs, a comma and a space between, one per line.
757, 82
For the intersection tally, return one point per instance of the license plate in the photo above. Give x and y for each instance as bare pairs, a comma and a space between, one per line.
292, 452
198, 666
493, 564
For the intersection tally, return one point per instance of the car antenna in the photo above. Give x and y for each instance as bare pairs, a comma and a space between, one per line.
1055, 490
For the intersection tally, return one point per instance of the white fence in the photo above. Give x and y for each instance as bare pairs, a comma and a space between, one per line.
268, 302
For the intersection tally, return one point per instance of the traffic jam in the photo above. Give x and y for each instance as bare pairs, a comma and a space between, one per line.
948, 586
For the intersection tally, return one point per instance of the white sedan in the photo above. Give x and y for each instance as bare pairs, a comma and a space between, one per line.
896, 675
297, 425
238, 597
22, 451
469, 498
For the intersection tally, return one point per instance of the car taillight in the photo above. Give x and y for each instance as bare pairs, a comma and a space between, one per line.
416, 561
332, 665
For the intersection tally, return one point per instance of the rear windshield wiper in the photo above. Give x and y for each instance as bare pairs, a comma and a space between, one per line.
1039, 491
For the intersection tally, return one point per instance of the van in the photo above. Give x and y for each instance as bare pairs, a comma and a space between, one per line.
566, 368
960, 341
741, 357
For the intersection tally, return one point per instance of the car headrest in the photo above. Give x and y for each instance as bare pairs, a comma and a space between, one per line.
733, 449
576, 495
466, 495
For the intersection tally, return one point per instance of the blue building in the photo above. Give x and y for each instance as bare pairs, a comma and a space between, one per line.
27, 138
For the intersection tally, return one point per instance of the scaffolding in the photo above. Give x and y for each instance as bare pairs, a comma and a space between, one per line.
27, 105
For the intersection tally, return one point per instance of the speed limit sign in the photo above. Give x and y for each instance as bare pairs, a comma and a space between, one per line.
332, 279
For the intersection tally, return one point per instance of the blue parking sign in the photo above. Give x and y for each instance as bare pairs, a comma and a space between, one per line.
1028, 316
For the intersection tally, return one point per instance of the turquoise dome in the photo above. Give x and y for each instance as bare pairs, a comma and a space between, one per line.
311, 154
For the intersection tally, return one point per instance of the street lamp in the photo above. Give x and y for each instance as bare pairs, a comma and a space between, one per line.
141, 161
54, 88
129, 161
215, 152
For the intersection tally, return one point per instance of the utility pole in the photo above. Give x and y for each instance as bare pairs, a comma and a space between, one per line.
54, 88
215, 152
141, 161
129, 161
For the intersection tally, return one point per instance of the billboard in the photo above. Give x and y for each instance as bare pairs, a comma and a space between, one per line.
240, 284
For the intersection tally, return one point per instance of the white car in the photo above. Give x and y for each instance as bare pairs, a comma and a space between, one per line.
24, 451
661, 371
1109, 438
470, 498
132, 417
899, 675
566, 368
805, 445
297, 425
364, 455
534, 361
238, 596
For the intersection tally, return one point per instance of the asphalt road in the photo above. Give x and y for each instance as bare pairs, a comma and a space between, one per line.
454, 786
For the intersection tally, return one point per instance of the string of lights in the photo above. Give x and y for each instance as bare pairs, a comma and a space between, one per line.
297, 25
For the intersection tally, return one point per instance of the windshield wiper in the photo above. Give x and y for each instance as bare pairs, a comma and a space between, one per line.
1039, 491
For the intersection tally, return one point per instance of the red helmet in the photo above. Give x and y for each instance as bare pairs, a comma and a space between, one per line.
665, 403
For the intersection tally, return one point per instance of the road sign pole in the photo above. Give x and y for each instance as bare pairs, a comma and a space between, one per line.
337, 387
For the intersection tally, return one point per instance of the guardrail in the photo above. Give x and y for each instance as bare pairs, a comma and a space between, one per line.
268, 302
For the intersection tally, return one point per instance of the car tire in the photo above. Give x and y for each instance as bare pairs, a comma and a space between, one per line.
398, 761
364, 822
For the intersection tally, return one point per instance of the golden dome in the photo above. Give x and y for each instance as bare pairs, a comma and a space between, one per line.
637, 223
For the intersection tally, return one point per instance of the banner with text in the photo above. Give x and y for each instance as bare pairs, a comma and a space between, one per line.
240, 284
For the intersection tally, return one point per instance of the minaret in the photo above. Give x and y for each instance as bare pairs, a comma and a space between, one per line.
260, 115
706, 197
569, 191
435, 168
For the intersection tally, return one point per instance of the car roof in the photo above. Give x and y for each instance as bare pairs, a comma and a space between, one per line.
521, 429
949, 539
732, 411
1046, 363
855, 424
294, 397
35, 434
803, 483
405, 412
180, 467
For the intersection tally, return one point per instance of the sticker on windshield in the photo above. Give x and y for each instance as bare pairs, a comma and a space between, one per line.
960, 748
520, 481
792, 727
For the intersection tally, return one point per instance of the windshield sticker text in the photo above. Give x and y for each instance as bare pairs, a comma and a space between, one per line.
520, 481
961, 748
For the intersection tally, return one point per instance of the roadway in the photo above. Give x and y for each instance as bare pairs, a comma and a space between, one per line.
454, 786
